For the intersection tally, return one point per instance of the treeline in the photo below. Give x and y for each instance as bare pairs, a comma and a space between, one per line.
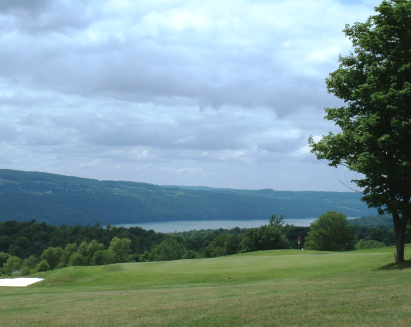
30, 246
372, 221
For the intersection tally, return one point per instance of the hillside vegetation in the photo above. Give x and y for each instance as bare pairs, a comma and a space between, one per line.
373, 221
58, 199
267, 288
29, 247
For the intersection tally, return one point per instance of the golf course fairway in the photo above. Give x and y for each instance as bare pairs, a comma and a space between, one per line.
267, 288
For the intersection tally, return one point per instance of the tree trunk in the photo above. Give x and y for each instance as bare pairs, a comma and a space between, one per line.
400, 226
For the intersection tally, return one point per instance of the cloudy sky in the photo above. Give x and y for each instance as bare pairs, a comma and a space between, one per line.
221, 93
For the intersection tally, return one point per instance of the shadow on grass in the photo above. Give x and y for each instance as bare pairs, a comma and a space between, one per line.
396, 266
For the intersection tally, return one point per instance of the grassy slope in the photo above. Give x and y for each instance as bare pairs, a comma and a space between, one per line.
269, 288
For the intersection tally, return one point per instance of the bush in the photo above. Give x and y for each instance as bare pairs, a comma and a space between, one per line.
369, 244
264, 238
224, 244
330, 232
77, 259
121, 248
52, 256
13, 264
25, 271
29, 264
169, 249
103, 257
43, 266
146, 257
3, 258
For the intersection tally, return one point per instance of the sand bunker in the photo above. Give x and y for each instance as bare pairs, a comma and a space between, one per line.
19, 282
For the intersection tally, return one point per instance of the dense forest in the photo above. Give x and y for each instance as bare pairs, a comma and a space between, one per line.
57, 200
373, 221
31, 246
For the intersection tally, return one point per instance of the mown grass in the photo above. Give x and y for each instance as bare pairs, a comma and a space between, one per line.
268, 288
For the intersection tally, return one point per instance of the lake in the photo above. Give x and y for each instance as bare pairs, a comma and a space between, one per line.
181, 226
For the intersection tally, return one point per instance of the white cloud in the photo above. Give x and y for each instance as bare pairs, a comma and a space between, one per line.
220, 93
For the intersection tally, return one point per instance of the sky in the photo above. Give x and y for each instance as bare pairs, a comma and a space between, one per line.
218, 93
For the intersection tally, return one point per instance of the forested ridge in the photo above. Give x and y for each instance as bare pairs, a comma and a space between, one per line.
57, 199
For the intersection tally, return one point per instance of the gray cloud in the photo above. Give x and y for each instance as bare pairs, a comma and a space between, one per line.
36, 17
11, 6
221, 93
177, 54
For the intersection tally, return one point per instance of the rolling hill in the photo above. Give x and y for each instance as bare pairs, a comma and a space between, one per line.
58, 199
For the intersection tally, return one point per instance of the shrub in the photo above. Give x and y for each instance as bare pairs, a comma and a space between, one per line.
43, 266
369, 244
146, 257
121, 248
52, 256
25, 271
103, 257
330, 232
77, 259
264, 238
13, 264
169, 249
3, 258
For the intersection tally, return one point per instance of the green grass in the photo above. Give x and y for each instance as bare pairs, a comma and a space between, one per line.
268, 288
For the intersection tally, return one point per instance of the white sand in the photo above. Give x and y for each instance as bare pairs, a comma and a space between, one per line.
19, 282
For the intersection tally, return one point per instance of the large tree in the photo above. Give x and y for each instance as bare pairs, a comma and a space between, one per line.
330, 232
375, 138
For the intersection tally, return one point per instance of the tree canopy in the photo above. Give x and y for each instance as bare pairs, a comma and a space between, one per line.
330, 232
375, 83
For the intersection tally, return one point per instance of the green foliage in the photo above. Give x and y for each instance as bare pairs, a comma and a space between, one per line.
277, 222
330, 232
224, 244
86, 251
3, 258
43, 266
20, 246
98, 259
77, 259
121, 248
93, 247
52, 256
292, 232
5, 242
169, 249
57, 200
383, 234
146, 257
30, 262
264, 238
29, 265
149, 245
68, 251
13, 264
375, 83
372, 221
25, 271
103, 257
368, 244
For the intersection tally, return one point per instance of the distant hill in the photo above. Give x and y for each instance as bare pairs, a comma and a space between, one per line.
373, 221
58, 199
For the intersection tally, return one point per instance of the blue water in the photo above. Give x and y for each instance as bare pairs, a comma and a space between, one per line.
181, 226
